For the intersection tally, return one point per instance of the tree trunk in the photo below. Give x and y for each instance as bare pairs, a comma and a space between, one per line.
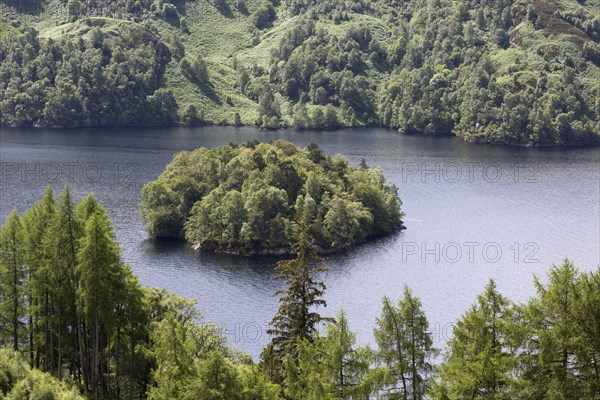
52, 349
46, 330
118, 350
30, 306
413, 361
82, 364
398, 349
96, 345
59, 342
30, 338
15, 320
132, 352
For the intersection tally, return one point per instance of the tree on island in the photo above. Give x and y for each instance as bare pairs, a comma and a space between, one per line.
246, 199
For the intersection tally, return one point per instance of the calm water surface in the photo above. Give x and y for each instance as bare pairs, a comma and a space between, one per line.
474, 212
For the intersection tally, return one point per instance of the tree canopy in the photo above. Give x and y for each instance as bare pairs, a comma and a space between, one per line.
250, 199
515, 72
75, 323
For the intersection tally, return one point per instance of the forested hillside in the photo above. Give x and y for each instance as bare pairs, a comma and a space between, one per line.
506, 71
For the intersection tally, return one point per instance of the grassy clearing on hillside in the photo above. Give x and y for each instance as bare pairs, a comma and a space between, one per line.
42, 14
6, 28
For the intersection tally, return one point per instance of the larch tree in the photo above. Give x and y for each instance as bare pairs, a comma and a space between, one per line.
346, 366
12, 282
63, 242
217, 378
129, 334
97, 266
173, 347
588, 321
331, 367
173, 350
36, 223
405, 348
481, 360
562, 348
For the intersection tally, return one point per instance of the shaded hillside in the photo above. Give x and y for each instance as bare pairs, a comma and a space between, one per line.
522, 72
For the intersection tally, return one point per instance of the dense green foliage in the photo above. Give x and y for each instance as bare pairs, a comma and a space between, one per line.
544, 349
509, 71
297, 320
547, 348
331, 366
88, 77
73, 309
69, 307
251, 199
19, 381
405, 348
483, 356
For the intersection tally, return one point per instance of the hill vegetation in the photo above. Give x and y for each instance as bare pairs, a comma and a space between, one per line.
252, 199
509, 71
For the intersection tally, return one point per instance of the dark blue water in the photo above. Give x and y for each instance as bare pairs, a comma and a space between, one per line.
474, 212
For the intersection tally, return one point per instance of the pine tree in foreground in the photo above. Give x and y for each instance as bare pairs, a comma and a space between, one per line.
331, 367
561, 357
296, 320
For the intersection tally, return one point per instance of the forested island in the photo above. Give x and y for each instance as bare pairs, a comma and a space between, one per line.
254, 198
75, 323
508, 71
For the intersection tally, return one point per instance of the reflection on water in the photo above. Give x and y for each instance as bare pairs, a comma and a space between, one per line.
474, 212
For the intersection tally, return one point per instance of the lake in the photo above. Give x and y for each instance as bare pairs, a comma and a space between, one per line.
473, 212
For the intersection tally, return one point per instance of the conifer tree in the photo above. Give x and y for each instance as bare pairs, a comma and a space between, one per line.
588, 325
481, 358
346, 366
12, 282
562, 347
330, 367
63, 241
405, 348
296, 319
97, 267
129, 334
217, 379
173, 350
36, 223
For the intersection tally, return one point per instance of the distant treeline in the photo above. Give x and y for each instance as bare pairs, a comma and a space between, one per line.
94, 80
508, 72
